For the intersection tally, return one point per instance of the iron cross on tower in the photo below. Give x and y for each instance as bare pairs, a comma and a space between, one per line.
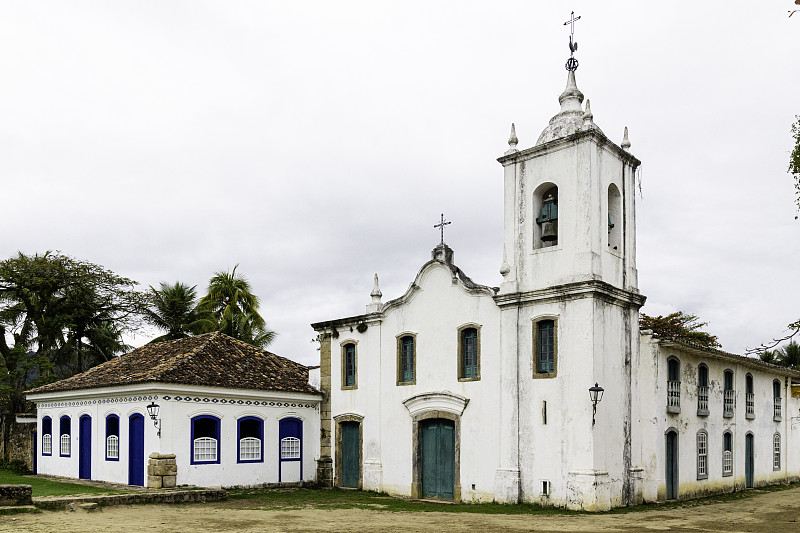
441, 226
572, 63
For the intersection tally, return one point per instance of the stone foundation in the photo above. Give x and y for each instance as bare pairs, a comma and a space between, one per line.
162, 471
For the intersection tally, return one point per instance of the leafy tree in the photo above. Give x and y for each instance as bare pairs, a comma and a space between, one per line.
680, 326
173, 309
58, 316
794, 161
233, 309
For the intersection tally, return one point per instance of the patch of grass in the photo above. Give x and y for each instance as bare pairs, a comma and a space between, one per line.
300, 498
46, 487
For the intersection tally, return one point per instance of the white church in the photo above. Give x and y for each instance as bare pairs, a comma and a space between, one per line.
541, 390
460, 391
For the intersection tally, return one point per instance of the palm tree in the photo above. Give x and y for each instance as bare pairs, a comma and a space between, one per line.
174, 309
234, 308
789, 356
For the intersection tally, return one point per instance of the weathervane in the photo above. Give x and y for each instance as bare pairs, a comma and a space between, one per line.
441, 226
572, 63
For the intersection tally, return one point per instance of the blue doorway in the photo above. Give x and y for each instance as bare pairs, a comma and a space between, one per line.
85, 447
290, 465
136, 450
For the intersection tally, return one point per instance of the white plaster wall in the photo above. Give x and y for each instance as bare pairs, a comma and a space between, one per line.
655, 421
176, 431
434, 313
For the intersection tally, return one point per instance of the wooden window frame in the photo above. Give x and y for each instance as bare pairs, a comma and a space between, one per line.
400, 338
702, 457
729, 434
460, 362
776, 451
536, 321
344, 344
700, 385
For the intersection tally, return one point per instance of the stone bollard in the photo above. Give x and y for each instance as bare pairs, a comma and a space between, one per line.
162, 471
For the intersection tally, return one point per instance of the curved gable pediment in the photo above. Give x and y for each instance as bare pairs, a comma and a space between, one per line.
436, 401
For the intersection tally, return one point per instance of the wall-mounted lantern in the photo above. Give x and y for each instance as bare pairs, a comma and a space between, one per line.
595, 394
152, 410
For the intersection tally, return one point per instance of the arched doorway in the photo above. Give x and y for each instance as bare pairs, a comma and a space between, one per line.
671, 464
136, 450
290, 464
85, 447
749, 468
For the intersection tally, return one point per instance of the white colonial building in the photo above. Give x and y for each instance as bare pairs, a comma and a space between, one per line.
461, 391
228, 414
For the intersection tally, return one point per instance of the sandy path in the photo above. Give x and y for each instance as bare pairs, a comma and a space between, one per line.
771, 512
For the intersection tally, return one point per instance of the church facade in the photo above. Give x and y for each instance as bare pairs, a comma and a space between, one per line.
466, 392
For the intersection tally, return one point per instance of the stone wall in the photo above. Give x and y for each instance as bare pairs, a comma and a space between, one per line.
16, 440
15, 495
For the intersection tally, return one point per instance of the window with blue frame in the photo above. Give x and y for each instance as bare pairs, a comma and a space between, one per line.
112, 438
205, 439
47, 436
545, 345
469, 353
406, 360
250, 434
349, 366
65, 427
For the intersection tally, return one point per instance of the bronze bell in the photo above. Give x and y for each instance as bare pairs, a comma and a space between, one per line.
550, 231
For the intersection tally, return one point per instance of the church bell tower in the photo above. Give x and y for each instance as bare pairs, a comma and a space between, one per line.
569, 311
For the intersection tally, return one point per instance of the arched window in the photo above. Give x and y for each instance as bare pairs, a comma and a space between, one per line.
65, 425
776, 451
469, 354
749, 397
545, 205
406, 360
776, 401
729, 395
673, 385
205, 439
614, 218
250, 432
727, 454
112, 438
47, 436
349, 366
702, 454
702, 390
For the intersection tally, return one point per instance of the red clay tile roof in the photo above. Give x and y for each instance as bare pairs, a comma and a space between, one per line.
212, 359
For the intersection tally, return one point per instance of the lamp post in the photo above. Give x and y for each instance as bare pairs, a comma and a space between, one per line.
595, 394
152, 410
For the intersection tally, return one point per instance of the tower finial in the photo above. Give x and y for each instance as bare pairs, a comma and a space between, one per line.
512, 140
572, 63
587, 115
626, 143
376, 291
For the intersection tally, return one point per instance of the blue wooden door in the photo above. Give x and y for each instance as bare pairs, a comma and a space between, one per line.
290, 453
438, 459
85, 447
748, 461
136, 450
351, 454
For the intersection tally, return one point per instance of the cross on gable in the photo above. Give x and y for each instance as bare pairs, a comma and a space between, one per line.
441, 226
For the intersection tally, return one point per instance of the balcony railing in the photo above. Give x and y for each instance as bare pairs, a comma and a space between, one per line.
702, 400
673, 396
750, 405
729, 402
776, 408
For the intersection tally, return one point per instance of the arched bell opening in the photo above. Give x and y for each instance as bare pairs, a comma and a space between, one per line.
545, 209
614, 219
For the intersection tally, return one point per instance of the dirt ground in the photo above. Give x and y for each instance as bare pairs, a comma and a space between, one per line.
765, 512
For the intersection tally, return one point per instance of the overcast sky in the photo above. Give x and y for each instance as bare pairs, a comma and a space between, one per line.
316, 143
